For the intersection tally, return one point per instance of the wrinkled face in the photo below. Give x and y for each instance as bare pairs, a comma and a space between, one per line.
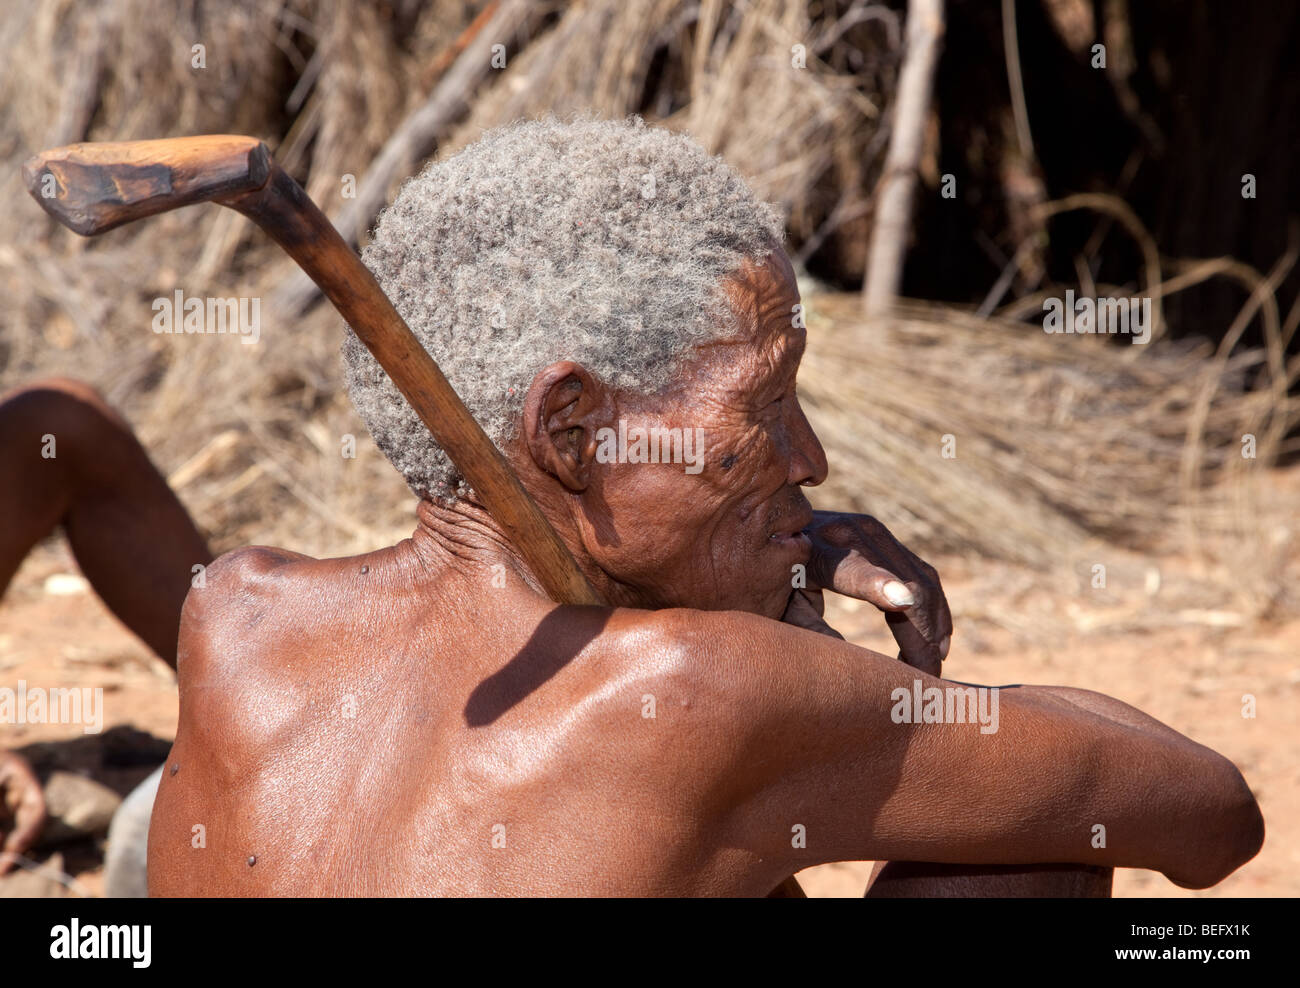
720, 530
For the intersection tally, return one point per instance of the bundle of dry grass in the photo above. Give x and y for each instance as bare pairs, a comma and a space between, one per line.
977, 435
792, 94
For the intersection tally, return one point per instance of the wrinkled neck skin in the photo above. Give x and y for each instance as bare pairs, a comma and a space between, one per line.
461, 536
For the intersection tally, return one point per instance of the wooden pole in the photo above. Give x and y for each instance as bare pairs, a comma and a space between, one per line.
889, 232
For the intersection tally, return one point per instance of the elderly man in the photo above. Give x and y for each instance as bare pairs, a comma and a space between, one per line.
422, 720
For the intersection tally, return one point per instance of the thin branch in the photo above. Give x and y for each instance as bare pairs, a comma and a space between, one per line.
1011, 47
925, 27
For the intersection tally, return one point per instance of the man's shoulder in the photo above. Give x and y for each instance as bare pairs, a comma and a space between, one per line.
704, 669
741, 672
707, 643
243, 568
234, 602
238, 578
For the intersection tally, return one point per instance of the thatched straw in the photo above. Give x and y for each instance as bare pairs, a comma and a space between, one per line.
1058, 440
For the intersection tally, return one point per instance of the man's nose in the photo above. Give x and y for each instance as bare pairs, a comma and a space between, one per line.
808, 460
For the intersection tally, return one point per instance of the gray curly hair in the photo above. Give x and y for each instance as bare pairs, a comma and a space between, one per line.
602, 242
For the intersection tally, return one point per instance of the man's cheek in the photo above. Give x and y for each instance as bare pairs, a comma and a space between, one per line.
746, 454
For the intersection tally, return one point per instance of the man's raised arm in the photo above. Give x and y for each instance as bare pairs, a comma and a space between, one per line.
835, 749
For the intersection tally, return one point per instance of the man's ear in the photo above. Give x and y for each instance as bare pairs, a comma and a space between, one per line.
564, 408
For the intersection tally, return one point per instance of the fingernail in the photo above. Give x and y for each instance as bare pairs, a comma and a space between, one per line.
898, 594
943, 647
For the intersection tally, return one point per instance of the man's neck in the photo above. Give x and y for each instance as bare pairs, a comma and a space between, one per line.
462, 535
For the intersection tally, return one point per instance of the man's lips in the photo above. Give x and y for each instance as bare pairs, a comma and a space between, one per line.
791, 533
794, 540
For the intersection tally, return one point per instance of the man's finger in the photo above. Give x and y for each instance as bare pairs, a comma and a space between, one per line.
803, 612
913, 647
21, 795
28, 823
845, 572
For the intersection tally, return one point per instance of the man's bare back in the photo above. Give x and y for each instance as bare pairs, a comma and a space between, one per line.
539, 767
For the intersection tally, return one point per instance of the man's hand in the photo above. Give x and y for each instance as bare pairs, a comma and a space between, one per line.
856, 555
22, 807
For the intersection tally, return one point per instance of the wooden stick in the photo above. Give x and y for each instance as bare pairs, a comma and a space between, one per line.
96, 187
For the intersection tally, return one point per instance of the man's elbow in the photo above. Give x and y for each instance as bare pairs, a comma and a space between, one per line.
1246, 823
1235, 832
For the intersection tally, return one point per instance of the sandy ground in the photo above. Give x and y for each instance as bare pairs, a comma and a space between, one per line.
1191, 674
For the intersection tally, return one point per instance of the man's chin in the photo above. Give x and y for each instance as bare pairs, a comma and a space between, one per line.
762, 588
772, 605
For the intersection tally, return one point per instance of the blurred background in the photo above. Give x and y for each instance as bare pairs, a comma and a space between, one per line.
1109, 148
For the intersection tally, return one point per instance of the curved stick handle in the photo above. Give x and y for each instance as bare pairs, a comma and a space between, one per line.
91, 188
